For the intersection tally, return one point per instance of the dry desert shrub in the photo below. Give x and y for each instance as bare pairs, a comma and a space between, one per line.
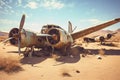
10, 64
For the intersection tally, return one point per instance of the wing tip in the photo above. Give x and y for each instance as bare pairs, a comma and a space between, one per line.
117, 19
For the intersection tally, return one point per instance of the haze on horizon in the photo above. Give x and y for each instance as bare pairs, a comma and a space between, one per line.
82, 13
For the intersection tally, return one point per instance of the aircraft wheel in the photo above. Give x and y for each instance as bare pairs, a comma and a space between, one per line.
25, 55
26, 52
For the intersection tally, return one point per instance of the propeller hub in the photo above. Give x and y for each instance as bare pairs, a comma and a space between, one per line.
55, 36
14, 33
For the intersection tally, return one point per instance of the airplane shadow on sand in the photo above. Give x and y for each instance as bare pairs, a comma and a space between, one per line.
41, 57
32, 60
69, 59
64, 59
14, 52
38, 59
104, 51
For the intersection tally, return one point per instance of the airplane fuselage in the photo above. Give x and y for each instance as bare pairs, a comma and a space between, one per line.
59, 39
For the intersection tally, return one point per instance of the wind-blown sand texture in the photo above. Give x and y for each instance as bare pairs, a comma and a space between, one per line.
70, 68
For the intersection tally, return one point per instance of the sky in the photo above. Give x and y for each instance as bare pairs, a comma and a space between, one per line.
81, 13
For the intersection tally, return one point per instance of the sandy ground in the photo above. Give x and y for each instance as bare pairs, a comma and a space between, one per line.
79, 68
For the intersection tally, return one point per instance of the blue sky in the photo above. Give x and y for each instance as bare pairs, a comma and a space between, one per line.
82, 13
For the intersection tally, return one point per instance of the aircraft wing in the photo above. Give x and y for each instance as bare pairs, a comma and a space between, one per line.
43, 35
93, 29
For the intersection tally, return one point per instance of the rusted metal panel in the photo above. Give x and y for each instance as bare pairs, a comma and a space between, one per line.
93, 29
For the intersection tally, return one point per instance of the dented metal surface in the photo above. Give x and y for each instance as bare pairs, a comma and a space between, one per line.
50, 35
64, 37
29, 38
93, 29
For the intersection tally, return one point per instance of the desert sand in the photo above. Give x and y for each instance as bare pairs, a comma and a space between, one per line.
66, 68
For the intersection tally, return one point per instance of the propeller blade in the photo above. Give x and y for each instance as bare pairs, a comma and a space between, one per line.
22, 23
19, 46
20, 28
7, 39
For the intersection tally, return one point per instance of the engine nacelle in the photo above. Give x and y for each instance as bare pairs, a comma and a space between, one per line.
60, 38
27, 38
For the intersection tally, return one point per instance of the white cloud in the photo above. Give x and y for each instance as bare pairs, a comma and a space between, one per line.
7, 24
19, 2
0, 7
4, 4
92, 21
92, 11
70, 5
6, 21
32, 5
52, 4
37, 26
5, 7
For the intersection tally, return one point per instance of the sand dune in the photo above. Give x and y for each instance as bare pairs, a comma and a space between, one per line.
3, 36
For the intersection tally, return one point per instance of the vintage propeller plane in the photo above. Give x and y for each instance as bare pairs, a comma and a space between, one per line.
51, 36
99, 38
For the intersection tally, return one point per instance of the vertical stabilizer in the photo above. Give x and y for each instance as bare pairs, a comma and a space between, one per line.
69, 27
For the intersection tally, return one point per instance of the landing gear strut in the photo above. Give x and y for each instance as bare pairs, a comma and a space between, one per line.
28, 51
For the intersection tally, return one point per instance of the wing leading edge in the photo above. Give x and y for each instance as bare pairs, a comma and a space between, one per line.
43, 35
93, 29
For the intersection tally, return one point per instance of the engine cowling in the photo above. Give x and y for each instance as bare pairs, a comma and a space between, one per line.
12, 33
27, 38
59, 38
